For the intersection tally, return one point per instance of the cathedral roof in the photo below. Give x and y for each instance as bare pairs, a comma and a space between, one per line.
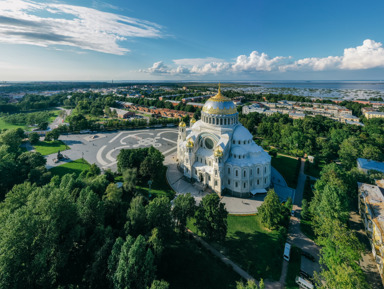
242, 134
219, 104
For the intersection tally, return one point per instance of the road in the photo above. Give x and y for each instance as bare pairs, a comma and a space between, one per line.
59, 120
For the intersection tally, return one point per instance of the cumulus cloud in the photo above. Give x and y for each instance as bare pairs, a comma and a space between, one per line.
368, 55
87, 28
256, 62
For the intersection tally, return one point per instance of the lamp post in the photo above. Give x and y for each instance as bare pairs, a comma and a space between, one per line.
149, 191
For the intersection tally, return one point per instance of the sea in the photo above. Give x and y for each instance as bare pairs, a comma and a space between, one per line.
331, 89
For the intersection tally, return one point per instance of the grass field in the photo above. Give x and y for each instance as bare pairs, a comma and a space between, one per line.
288, 168
5, 125
76, 167
257, 250
293, 268
50, 147
55, 114
185, 265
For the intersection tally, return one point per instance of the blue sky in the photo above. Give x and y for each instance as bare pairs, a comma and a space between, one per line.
191, 40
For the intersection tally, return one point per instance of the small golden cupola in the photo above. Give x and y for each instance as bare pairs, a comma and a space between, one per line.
190, 143
218, 152
182, 124
192, 121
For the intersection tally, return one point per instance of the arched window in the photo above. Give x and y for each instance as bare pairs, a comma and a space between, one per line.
237, 173
239, 142
251, 172
245, 185
234, 142
258, 170
265, 169
236, 184
258, 181
229, 182
229, 171
245, 174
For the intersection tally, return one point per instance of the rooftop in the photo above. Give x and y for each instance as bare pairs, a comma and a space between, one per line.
370, 165
374, 197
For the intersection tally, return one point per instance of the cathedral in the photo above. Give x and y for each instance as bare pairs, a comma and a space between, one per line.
220, 153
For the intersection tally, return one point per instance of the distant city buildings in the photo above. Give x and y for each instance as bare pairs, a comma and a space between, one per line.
298, 110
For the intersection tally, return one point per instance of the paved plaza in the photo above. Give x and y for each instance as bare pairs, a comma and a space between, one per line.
103, 148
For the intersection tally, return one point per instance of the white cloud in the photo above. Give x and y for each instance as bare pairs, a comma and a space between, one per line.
313, 63
196, 61
83, 27
368, 55
256, 62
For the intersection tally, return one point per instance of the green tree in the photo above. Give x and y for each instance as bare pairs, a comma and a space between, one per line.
34, 137
271, 210
156, 284
184, 206
135, 269
211, 217
129, 179
159, 215
251, 284
339, 257
350, 150
113, 194
136, 217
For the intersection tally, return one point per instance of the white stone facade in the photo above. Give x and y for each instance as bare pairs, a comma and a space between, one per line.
220, 153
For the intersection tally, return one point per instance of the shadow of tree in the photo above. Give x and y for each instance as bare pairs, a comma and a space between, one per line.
260, 254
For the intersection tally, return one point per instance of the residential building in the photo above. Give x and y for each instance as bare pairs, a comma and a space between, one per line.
371, 209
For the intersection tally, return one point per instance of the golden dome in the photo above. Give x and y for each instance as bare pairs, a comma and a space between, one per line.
219, 104
193, 120
190, 143
218, 152
182, 124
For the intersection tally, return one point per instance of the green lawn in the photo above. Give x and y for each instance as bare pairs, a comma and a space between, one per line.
6, 125
257, 250
293, 268
55, 114
288, 168
76, 167
50, 147
186, 265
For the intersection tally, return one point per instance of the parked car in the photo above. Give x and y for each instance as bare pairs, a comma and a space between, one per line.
306, 275
308, 256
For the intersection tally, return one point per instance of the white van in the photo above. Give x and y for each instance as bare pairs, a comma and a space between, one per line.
303, 283
287, 251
